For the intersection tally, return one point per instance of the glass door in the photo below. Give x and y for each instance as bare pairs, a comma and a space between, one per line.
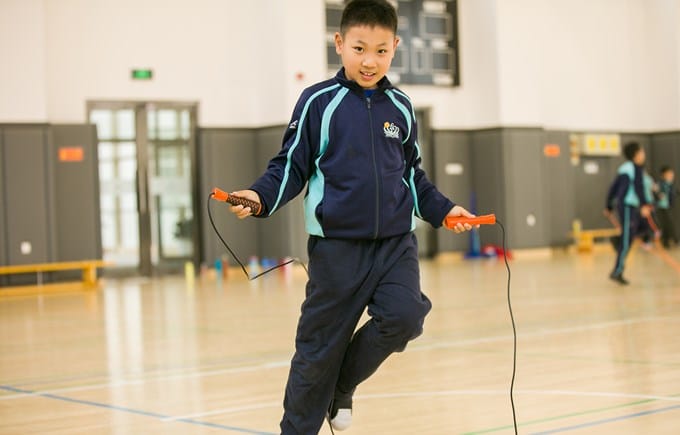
170, 156
147, 183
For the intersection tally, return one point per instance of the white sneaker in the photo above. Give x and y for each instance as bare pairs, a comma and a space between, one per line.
342, 419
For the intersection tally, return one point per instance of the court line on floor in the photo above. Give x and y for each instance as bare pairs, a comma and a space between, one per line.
191, 418
542, 333
559, 417
228, 371
609, 420
285, 363
231, 410
155, 415
98, 376
443, 393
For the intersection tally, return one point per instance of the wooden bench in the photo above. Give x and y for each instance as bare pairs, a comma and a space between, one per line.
585, 239
89, 268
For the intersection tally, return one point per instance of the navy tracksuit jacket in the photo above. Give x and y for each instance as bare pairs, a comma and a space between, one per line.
359, 158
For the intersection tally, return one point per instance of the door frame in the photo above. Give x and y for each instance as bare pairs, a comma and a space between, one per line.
141, 108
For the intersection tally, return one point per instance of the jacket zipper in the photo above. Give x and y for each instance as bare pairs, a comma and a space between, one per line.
375, 171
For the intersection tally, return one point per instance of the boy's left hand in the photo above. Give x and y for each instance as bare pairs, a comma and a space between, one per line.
460, 211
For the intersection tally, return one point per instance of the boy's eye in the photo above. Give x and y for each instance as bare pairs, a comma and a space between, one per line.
382, 51
359, 49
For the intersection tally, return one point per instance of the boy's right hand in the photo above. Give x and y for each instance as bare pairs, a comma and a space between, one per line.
240, 211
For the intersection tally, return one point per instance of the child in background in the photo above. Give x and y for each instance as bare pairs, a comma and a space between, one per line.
664, 206
627, 194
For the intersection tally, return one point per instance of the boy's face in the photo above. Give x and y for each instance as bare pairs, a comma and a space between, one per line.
669, 176
639, 158
366, 53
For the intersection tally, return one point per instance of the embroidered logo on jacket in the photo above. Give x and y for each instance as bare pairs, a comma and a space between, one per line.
293, 125
391, 130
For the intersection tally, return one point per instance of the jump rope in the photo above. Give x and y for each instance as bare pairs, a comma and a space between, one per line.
450, 222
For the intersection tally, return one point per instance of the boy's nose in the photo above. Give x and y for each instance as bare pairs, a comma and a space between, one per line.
368, 61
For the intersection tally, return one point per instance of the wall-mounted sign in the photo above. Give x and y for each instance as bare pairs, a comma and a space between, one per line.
453, 169
71, 154
142, 74
601, 145
591, 168
551, 150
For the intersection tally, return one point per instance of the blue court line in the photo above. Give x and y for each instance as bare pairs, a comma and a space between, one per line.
132, 410
608, 420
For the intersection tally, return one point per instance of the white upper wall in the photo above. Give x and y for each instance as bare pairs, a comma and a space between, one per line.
22, 61
302, 50
210, 51
589, 64
570, 64
660, 75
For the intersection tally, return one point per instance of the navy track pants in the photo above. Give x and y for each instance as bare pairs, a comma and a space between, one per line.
345, 277
630, 220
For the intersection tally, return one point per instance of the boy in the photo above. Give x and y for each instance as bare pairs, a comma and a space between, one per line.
664, 206
627, 193
352, 140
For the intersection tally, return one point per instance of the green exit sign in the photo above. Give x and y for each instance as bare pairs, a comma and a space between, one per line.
142, 74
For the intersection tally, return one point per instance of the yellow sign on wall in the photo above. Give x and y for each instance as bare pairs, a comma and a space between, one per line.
601, 145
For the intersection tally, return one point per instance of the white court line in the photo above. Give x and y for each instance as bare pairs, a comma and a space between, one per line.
431, 394
600, 394
524, 392
284, 363
230, 410
543, 333
245, 369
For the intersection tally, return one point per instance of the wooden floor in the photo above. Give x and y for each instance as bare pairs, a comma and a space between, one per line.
160, 357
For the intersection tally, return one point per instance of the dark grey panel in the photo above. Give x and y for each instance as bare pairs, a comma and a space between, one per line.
593, 176
558, 179
666, 151
425, 234
26, 200
227, 161
526, 207
77, 233
505, 172
453, 148
488, 180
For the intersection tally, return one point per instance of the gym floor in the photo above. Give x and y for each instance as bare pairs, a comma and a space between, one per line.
171, 356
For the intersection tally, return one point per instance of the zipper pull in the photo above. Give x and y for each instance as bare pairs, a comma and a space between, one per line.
368, 102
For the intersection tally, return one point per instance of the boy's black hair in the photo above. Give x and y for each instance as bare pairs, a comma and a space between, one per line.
369, 13
630, 149
664, 169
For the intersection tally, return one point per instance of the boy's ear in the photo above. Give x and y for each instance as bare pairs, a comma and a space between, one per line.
338, 43
397, 40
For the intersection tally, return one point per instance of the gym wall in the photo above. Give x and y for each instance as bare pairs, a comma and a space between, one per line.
531, 73
50, 204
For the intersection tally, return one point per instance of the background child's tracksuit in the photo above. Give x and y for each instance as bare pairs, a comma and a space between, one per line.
664, 206
358, 155
648, 226
627, 193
